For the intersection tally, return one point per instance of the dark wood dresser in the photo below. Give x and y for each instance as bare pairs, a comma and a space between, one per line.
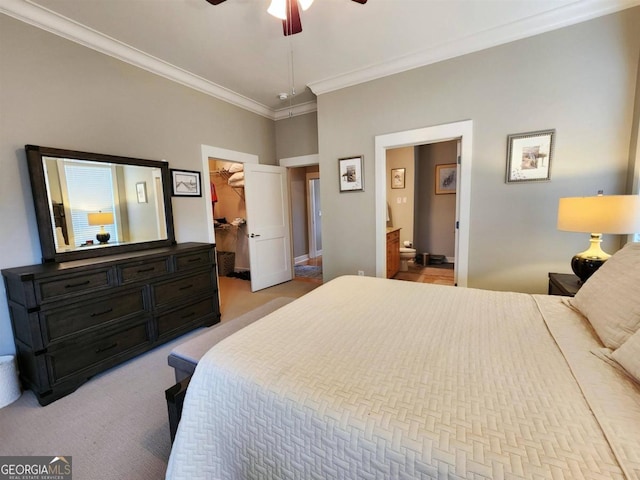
72, 320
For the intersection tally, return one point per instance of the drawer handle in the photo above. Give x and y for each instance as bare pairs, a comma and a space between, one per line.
143, 270
97, 314
74, 285
104, 349
188, 315
194, 260
186, 288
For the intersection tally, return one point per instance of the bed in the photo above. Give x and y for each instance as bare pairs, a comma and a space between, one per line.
368, 378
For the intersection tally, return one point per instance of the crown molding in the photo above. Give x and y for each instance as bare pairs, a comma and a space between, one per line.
577, 12
295, 110
62, 26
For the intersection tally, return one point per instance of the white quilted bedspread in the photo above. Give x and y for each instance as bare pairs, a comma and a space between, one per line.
367, 378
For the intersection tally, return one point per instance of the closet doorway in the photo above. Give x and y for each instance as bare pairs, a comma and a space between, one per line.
267, 216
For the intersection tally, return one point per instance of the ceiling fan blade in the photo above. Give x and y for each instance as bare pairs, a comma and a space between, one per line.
361, 2
292, 24
217, 2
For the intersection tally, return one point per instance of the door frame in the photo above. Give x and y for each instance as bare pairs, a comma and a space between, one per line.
311, 207
463, 131
294, 162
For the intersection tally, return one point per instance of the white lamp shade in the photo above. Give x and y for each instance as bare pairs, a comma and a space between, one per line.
614, 214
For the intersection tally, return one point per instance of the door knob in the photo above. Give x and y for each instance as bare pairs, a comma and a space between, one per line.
253, 235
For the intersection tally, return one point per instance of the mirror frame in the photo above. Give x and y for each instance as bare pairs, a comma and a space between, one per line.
41, 202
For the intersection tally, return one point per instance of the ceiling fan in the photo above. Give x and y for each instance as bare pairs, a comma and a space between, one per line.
288, 11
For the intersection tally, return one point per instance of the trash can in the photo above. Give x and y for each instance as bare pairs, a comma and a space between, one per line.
226, 263
9, 384
423, 259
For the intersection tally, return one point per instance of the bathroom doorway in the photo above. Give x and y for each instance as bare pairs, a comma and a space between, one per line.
462, 131
422, 209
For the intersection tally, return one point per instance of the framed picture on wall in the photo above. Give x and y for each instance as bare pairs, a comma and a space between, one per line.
446, 178
141, 192
529, 156
397, 177
350, 174
185, 183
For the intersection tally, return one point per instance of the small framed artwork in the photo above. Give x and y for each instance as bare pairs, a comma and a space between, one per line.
185, 183
529, 156
351, 178
397, 177
446, 178
141, 191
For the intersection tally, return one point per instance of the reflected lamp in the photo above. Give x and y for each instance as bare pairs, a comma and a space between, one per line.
101, 219
597, 215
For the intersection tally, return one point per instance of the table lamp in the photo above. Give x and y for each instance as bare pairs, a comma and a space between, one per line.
613, 214
101, 219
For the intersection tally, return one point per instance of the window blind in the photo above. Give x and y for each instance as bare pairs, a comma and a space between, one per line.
90, 189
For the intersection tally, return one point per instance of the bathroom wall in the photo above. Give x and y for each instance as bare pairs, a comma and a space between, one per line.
401, 200
435, 214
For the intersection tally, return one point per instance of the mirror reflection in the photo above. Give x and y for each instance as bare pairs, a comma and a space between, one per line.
98, 204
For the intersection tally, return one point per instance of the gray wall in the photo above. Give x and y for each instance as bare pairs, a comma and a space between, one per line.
580, 80
297, 136
435, 214
59, 94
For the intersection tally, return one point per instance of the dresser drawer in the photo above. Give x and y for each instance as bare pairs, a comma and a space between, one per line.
190, 261
164, 293
142, 270
181, 318
60, 322
64, 285
85, 354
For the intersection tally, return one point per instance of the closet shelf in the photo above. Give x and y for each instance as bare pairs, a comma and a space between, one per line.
226, 175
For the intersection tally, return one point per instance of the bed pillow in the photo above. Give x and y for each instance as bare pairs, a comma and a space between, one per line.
628, 355
610, 299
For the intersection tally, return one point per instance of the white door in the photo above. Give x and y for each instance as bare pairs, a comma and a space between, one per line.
267, 200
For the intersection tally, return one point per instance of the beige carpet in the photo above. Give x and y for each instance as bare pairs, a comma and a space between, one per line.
115, 426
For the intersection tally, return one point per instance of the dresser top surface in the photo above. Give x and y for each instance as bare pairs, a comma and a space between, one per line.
90, 263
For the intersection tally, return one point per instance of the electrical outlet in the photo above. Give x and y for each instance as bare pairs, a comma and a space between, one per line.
361, 273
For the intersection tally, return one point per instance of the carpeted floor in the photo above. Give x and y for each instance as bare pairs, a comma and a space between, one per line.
115, 426
308, 271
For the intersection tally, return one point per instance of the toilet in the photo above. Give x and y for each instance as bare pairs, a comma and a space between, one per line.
406, 254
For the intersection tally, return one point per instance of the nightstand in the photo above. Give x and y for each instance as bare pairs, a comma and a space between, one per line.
566, 284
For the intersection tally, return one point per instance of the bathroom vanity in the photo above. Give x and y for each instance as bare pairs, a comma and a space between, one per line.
393, 251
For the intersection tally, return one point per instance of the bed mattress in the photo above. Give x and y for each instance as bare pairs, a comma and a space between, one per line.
367, 378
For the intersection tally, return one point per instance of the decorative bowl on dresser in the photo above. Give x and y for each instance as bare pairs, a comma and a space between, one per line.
72, 320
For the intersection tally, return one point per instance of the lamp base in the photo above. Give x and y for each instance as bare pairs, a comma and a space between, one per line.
103, 237
584, 264
585, 267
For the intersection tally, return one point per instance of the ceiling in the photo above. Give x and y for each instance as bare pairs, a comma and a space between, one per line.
237, 52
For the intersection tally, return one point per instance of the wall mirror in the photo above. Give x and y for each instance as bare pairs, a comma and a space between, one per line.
91, 205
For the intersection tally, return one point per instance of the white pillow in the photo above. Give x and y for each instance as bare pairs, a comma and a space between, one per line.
628, 355
610, 299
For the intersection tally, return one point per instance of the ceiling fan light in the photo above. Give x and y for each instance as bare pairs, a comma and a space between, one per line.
278, 9
305, 4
